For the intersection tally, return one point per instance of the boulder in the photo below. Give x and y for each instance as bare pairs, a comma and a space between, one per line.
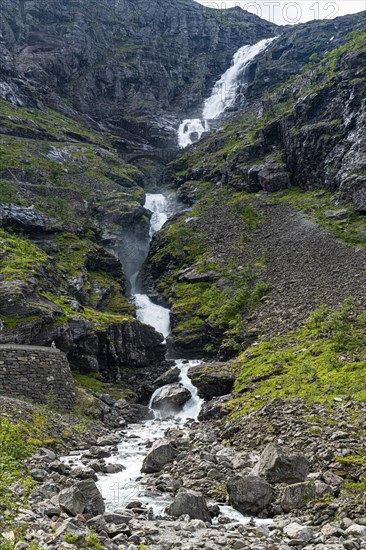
249, 494
171, 376
297, 496
94, 503
281, 465
72, 501
212, 379
170, 399
298, 532
190, 503
162, 452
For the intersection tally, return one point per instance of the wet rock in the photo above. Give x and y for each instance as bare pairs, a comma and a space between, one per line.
191, 503
72, 501
281, 465
170, 399
249, 494
94, 503
212, 379
171, 376
96, 452
161, 453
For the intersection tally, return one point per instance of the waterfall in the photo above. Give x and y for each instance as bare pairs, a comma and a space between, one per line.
223, 94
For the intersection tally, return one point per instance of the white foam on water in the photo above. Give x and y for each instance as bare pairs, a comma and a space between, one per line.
223, 94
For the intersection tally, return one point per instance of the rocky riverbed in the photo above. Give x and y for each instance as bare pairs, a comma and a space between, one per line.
288, 466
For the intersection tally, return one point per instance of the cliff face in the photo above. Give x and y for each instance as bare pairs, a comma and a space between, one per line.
125, 64
84, 87
245, 263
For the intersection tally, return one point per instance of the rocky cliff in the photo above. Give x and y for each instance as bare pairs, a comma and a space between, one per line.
242, 265
86, 89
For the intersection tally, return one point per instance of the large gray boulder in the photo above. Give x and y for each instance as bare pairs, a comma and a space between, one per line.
282, 465
170, 399
190, 503
213, 379
249, 494
72, 501
94, 503
162, 452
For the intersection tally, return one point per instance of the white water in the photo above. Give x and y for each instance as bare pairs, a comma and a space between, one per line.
223, 94
148, 312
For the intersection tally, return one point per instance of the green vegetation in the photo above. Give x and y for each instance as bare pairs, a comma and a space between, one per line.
350, 229
323, 360
19, 258
14, 450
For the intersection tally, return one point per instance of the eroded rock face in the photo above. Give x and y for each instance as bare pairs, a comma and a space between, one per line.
162, 452
249, 494
191, 503
281, 465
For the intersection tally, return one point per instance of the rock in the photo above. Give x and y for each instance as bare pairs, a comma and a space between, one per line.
214, 409
170, 399
191, 503
249, 494
356, 530
298, 532
98, 523
212, 379
281, 465
162, 452
332, 479
72, 501
106, 440
297, 496
337, 214
96, 452
72, 527
171, 376
94, 503
39, 475
119, 516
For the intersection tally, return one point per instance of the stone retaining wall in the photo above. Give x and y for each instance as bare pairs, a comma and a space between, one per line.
40, 374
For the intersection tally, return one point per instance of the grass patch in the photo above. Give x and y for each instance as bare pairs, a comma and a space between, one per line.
323, 360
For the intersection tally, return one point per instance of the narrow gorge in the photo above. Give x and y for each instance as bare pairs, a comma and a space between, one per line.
182, 278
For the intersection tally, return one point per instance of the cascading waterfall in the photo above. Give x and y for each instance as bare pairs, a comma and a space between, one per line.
223, 94
121, 488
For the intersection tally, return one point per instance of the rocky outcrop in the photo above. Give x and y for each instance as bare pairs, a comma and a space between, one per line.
212, 379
